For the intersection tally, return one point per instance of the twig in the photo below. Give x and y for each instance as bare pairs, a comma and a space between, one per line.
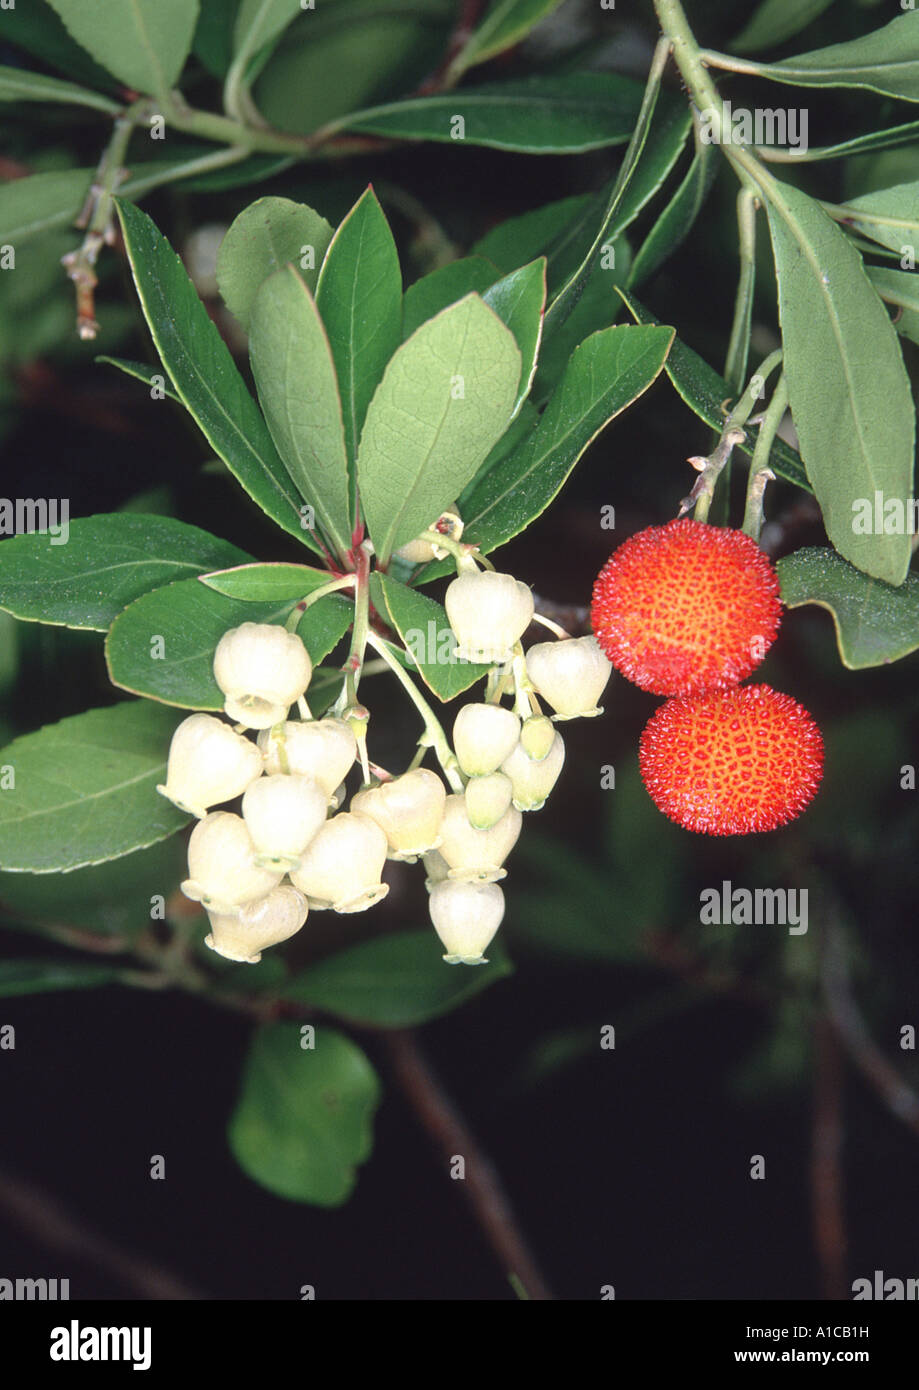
826, 1169
48, 1221
481, 1184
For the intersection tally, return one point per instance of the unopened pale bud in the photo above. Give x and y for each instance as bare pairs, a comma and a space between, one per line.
323, 749
268, 921
489, 613
488, 798
537, 737
208, 763
571, 674
262, 670
472, 853
466, 917
222, 872
421, 552
483, 736
408, 810
342, 866
282, 815
532, 780
436, 868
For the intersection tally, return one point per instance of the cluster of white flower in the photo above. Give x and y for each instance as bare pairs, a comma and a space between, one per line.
293, 848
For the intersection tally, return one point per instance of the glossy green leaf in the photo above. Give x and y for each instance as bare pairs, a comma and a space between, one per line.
848, 388
142, 371
606, 373
505, 24
41, 202
213, 42
427, 635
443, 287
260, 21
272, 583
143, 42
266, 236
395, 981
44, 976
704, 390
889, 139
204, 374
875, 623
108, 561
889, 216
18, 84
519, 300
298, 391
37, 29
886, 60
533, 115
113, 899
85, 789
520, 239
668, 123
445, 398
359, 296
678, 217
775, 21
303, 1121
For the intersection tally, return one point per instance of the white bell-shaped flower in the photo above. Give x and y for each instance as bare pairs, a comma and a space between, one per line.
262, 670
342, 866
537, 737
489, 613
472, 853
571, 674
323, 749
222, 872
466, 917
244, 934
488, 798
208, 763
483, 736
282, 815
421, 552
532, 780
408, 810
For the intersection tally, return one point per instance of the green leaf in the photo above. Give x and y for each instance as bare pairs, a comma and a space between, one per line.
261, 21
143, 42
113, 899
108, 561
505, 24
896, 286
678, 217
704, 390
18, 84
204, 374
273, 583
445, 399
41, 202
141, 371
667, 129
886, 61
395, 981
162, 645
443, 287
848, 388
427, 635
303, 1121
519, 300
889, 216
266, 236
532, 115
38, 30
875, 623
359, 296
520, 239
298, 391
775, 21
606, 373
906, 134
85, 789
213, 42
41, 976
